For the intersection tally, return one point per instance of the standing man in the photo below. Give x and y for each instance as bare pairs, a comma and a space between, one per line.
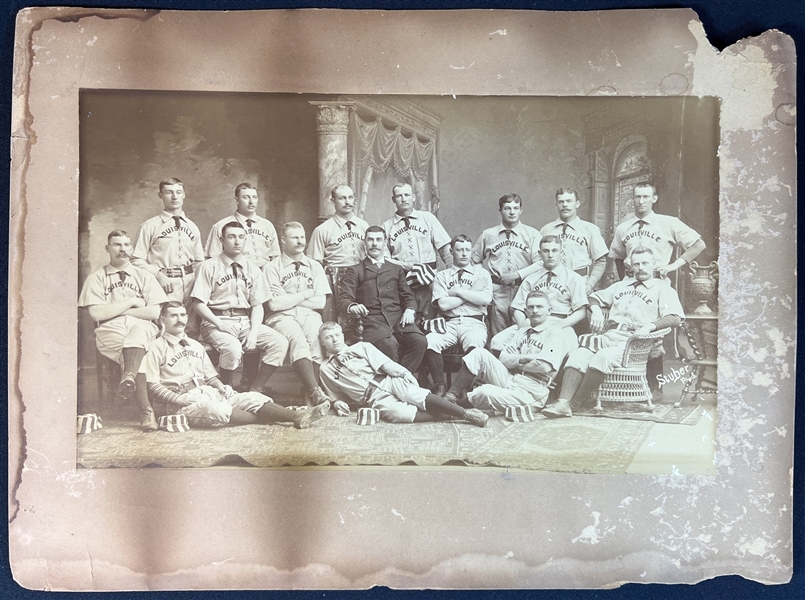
124, 300
564, 288
261, 244
505, 251
527, 366
583, 249
338, 242
639, 304
663, 233
414, 238
362, 375
376, 290
169, 244
228, 295
462, 293
182, 380
297, 291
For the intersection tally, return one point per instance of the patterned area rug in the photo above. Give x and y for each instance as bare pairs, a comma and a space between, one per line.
577, 445
687, 414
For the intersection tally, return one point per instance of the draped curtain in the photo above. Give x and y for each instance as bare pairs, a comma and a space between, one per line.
373, 148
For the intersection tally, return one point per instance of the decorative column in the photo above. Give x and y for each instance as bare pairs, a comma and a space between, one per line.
331, 125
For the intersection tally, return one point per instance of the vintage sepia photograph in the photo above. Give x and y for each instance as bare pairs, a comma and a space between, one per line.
272, 280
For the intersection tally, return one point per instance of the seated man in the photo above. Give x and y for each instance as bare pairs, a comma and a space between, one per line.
376, 290
639, 304
124, 300
363, 375
462, 293
526, 366
182, 380
564, 288
298, 288
228, 295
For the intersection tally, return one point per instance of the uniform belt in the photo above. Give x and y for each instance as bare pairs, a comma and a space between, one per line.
477, 317
542, 378
230, 312
178, 271
371, 387
620, 327
182, 388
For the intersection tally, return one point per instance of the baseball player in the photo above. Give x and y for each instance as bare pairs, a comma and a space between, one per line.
361, 374
338, 242
376, 290
639, 304
228, 295
583, 249
414, 238
124, 300
182, 380
169, 244
564, 287
261, 245
662, 233
526, 368
462, 292
505, 251
298, 288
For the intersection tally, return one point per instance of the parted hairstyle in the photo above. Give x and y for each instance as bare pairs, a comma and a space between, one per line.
327, 326
291, 225
374, 229
561, 191
334, 189
163, 312
243, 186
170, 181
509, 198
117, 233
646, 184
230, 225
550, 238
401, 184
459, 238
538, 294
641, 250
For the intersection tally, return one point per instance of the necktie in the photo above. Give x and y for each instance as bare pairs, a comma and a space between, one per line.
249, 223
122, 275
184, 343
298, 264
637, 284
177, 220
350, 225
508, 233
235, 270
564, 227
461, 271
549, 278
407, 222
641, 224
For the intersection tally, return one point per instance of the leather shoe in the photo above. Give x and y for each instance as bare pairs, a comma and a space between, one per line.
451, 397
560, 408
147, 420
317, 396
473, 416
303, 417
439, 390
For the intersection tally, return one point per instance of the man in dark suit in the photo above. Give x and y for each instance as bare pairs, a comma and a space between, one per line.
377, 291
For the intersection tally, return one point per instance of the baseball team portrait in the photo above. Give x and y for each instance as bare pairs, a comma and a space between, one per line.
285, 280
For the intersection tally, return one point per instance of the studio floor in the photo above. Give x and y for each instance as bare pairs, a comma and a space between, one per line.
625, 439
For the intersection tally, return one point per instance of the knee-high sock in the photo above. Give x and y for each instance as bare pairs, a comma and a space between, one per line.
592, 379
132, 359
436, 405
141, 392
274, 413
434, 363
425, 417
242, 417
251, 366
263, 375
571, 380
653, 369
225, 375
304, 370
316, 369
463, 380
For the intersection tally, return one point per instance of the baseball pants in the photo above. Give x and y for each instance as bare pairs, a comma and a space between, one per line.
500, 388
398, 399
466, 331
499, 319
210, 408
606, 359
302, 333
124, 332
273, 345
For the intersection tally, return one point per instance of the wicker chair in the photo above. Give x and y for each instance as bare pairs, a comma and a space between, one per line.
628, 383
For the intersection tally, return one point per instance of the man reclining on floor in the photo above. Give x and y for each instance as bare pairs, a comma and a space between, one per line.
527, 365
639, 305
363, 375
182, 380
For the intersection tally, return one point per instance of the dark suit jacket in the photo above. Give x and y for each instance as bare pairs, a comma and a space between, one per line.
383, 291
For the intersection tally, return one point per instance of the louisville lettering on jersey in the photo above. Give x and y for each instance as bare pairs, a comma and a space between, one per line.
348, 235
531, 344
128, 285
554, 285
644, 234
393, 237
184, 353
633, 292
297, 275
463, 281
230, 277
186, 230
509, 244
266, 236
574, 238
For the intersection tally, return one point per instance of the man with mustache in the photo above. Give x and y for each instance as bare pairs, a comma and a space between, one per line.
182, 380
638, 305
169, 244
228, 295
375, 289
297, 291
261, 245
338, 242
124, 301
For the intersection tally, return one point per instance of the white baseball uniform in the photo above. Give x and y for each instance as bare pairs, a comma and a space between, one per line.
260, 245
465, 323
661, 233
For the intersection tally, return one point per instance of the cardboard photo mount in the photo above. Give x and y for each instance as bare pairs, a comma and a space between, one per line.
404, 528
